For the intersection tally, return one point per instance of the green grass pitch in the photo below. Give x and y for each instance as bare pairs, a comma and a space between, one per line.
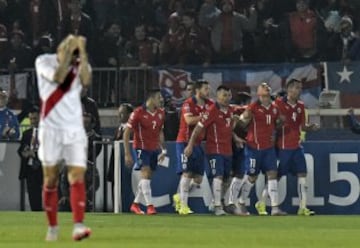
27, 230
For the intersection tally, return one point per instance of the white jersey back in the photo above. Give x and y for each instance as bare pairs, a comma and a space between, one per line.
60, 109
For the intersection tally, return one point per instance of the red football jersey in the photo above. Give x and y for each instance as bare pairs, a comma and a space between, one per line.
261, 128
146, 127
218, 125
191, 108
289, 135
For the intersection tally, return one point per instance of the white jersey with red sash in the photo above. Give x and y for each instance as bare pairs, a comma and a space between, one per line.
61, 130
60, 103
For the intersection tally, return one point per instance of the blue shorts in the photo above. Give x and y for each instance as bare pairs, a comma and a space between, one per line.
146, 158
193, 164
257, 161
220, 165
291, 161
238, 161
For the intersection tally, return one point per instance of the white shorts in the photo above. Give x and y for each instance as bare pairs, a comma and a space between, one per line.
56, 145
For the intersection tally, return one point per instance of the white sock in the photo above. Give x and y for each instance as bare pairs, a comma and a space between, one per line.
245, 191
146, 190
138, 193
273, 192
234, 190
193, 185
224, 192
264, 194
217, 189
184, 190
302, 190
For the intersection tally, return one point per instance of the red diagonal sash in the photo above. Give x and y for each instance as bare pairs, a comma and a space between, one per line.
60, 91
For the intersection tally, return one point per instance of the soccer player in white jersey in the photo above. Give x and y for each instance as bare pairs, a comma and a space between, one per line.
62, 137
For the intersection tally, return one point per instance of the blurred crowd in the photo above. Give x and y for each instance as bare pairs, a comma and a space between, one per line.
179, 32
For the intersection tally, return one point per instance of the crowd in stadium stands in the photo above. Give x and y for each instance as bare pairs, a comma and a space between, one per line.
178, 32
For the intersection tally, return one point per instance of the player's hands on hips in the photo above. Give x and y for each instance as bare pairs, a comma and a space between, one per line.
129, 162
188, 150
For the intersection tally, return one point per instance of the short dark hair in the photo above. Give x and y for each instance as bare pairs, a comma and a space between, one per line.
199, 83
222, 87
152, 92
129, 108
292, 82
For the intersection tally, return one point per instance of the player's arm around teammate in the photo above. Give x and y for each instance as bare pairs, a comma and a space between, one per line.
262, 117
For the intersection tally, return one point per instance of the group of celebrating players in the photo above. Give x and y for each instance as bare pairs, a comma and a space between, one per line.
272, 133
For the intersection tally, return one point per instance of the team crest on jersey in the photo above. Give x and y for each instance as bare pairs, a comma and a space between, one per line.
299, 110
275, 111
186, 107
205, 116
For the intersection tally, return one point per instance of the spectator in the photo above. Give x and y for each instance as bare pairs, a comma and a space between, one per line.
9, 125
267, 46
90, 106
18, 12
172, 44
101, 9
227, 28
344, 46
4, 47
45, 45
197, 45
19, 54
91, 171
31, 169
142, 49
112, 45
79, 23
304, 34
172, 119
124, 113
353, 122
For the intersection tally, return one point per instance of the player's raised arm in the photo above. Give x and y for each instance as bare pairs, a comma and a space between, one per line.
65, 52
84, 67
245, 118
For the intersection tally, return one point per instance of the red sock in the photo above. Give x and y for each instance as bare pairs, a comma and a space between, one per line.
50, 199
78, 201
